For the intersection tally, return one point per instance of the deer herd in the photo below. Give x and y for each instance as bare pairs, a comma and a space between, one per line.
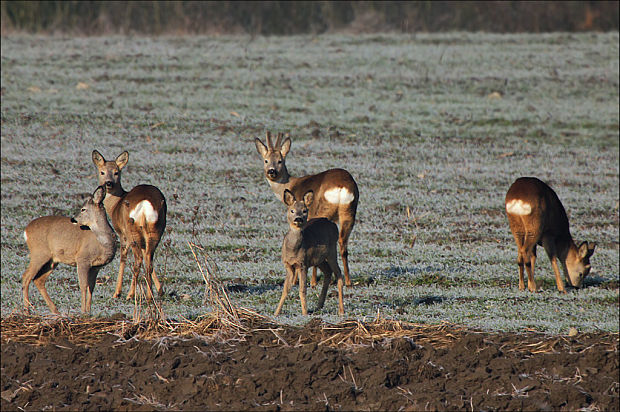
320, 212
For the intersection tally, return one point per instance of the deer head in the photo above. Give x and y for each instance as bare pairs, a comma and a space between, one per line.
273, 156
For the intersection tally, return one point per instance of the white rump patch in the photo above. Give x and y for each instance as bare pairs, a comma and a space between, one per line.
339, 196
25, 236
144, 208
518, 207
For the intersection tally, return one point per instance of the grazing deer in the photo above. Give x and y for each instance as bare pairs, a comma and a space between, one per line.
139, 218
336, 193
308, 243
536, 216
86, 241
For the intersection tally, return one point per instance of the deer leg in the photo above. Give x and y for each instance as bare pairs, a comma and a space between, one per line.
39, 282
530, 260
327, 278
518, 231
36, 266
346, 226
92, 281
340, 285
313, 280
288, 282
303, 274
521, 263
151, 244
137, 257
121, 269
83, 269
549, 245
147, 274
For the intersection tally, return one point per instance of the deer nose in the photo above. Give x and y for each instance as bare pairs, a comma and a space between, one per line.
271, 172
298, 220
108, 183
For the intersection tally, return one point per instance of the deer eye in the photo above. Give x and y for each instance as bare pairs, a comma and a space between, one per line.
102, 173
266, 161
279, 162
83, 209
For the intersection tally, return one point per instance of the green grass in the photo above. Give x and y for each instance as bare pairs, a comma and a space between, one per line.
410, 117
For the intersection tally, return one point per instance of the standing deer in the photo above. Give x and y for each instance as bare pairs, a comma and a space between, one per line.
86, 241
336, 193
139, 218
308, 243
536, 216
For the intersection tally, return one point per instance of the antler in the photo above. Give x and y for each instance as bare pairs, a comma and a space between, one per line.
269, 144
278, 140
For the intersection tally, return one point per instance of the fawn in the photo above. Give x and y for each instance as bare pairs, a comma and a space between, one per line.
308, 243
336, 193
536, 216
139, 218
86, 241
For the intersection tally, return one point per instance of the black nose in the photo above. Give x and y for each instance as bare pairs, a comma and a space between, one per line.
271, 172
108, 183
298, 220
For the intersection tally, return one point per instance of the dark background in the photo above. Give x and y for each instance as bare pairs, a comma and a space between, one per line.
302, 17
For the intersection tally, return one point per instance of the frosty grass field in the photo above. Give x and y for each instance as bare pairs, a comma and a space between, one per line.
434, 128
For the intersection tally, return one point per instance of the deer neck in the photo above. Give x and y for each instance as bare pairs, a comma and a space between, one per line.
293, 239
565, 249
112, 199
106, 237
285, 181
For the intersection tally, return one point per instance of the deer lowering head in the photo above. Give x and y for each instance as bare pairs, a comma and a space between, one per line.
536, 216
86, 241
139, 218
335, 192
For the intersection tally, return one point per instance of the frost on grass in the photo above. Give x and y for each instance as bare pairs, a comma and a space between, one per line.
434, 128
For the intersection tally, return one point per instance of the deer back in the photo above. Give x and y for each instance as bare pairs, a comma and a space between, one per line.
538, 206
144, 206
334, 189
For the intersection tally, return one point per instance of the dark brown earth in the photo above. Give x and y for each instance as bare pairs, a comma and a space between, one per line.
306, 369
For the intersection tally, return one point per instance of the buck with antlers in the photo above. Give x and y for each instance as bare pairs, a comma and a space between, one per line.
536, 216
335, 192
86, 241
139, 218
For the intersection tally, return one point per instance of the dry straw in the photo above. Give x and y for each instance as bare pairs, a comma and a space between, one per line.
226, 321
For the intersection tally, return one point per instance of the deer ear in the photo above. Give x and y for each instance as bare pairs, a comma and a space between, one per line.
122, 159
98, 159
286, 146
308, 198
591, 247
289, 197
99, 195
260, 147
583, 250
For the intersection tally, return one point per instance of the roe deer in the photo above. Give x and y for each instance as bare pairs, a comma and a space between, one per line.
139, 218
86, 241
308, 243
536, 216
336, 193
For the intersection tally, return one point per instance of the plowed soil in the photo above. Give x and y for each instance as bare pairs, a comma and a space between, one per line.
305, 369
